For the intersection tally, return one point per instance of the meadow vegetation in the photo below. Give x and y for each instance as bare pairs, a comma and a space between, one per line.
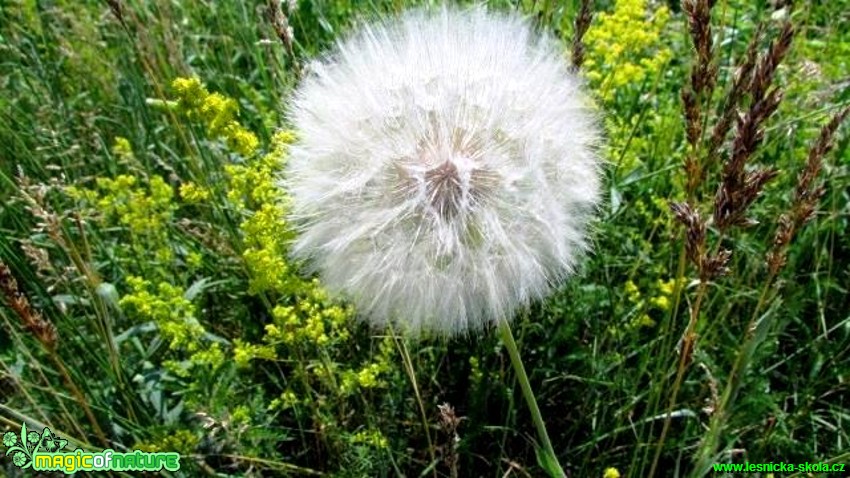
148, 300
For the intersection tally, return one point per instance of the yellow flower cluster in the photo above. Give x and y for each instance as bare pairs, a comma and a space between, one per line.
123, 149
611, 473
252, 188
288, 399
174, 315
660, 301
366, 377
624, 48
244, 352
166, 305
310, 320
305, 323
634, 296
264, 252
632, 291
193, 194
370, 375
665, 292
241, 415
144, 210
217, 112
194, 259
254, 184
308, 317
667, 288
370, 437
181, 441
212, 357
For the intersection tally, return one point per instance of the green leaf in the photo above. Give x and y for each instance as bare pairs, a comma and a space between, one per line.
616, 200
68, 299
549, 463
199, 286
428, 469
135, 330
109, 294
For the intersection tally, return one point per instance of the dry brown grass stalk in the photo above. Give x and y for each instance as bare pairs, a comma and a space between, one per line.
704, 70
280, 24
703, 78
580, 26
117, 10
738, 187
46, 334
42, 329
740, 86
694, 231
449, 423
807, 194
765, 70
804, 203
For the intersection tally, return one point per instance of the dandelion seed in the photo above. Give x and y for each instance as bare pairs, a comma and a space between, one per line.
445, 169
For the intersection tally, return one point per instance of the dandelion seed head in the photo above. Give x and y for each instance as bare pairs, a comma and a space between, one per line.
445, 169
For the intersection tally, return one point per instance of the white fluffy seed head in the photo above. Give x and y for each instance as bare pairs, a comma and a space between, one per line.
445, 170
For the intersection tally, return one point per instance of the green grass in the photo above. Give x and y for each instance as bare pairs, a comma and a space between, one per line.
601, 353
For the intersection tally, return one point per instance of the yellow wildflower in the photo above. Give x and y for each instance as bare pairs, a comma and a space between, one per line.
122, 148
217, 112
192, 193
667, 288
624, 47
212, 357
661, 301
241, 415
169, 309
371, 437
244, 352
194, 259
632, 291
645, 321
611, 473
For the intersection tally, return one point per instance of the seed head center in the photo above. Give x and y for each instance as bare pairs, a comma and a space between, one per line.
444, 189
447, 177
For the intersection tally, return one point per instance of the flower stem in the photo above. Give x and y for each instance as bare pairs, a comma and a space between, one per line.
688, 343
411, 375
708, 447
551, 461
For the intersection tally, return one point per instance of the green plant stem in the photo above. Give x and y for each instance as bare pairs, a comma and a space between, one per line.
661, 369
411, 375
707, 448
684, 356
687, 349
78, 395
513, 351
